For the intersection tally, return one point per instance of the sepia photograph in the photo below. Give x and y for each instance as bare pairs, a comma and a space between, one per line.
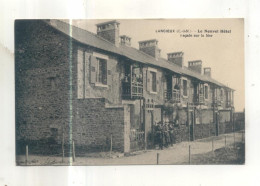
129, 92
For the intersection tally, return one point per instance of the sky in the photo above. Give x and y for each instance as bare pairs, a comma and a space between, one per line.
223, 52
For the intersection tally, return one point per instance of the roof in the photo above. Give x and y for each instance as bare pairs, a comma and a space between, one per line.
91, 39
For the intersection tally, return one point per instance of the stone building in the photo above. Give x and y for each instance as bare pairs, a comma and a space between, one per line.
72, 84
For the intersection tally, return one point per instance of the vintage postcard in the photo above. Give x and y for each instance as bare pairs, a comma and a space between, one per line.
129, 92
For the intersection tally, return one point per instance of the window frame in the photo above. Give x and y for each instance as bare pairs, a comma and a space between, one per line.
222, 94
153, 80
101, 73
150, 70
184, 95
177, 82
206, 92
101, 57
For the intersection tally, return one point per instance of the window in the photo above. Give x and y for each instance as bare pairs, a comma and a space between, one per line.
221, 94
228, 96
176, 83
216, 93
185, 87
153, 83
101, 71
206, 92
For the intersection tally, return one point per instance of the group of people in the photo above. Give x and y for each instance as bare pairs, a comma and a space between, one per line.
164, 135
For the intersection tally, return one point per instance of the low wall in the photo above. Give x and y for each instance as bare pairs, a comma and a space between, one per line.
239, 121
95, 124
204, 130
181, 133
225, 127
91, 129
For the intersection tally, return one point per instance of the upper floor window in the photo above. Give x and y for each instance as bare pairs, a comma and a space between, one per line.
206, 94
221, 94
137, 76
100, 71
176, 83
216, 93
228, 96
153, 81
101, 75
185, 87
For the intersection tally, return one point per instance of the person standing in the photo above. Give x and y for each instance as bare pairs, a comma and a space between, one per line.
166, 134
160, 135
171, 133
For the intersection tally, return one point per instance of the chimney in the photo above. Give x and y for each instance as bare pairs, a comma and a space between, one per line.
150, 47
195, 66
109, 31
125, 40
207, 71
176, 58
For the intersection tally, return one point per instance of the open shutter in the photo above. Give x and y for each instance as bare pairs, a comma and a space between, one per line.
148, 80
157, 82
93, 68
181, 87
109, 73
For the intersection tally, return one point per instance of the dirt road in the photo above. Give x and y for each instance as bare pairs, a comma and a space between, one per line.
178, 154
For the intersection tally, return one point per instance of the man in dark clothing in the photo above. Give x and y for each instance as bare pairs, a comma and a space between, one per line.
159, 134
171, 133
166, 134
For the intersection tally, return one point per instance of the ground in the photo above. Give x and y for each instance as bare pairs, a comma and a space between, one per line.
229, 155
223, 149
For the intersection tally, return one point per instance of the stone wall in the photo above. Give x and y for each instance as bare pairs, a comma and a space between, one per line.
182, 114
204, 116
239, 120
225, 122
204, 126
84, 61
43, 91
204, 130
225, 127
41, 84
224, 116
94, 124
181, 133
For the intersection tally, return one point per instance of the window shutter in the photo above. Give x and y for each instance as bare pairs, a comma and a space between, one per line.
157, 82
148, 80
181, 87
109, 73
93, 66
